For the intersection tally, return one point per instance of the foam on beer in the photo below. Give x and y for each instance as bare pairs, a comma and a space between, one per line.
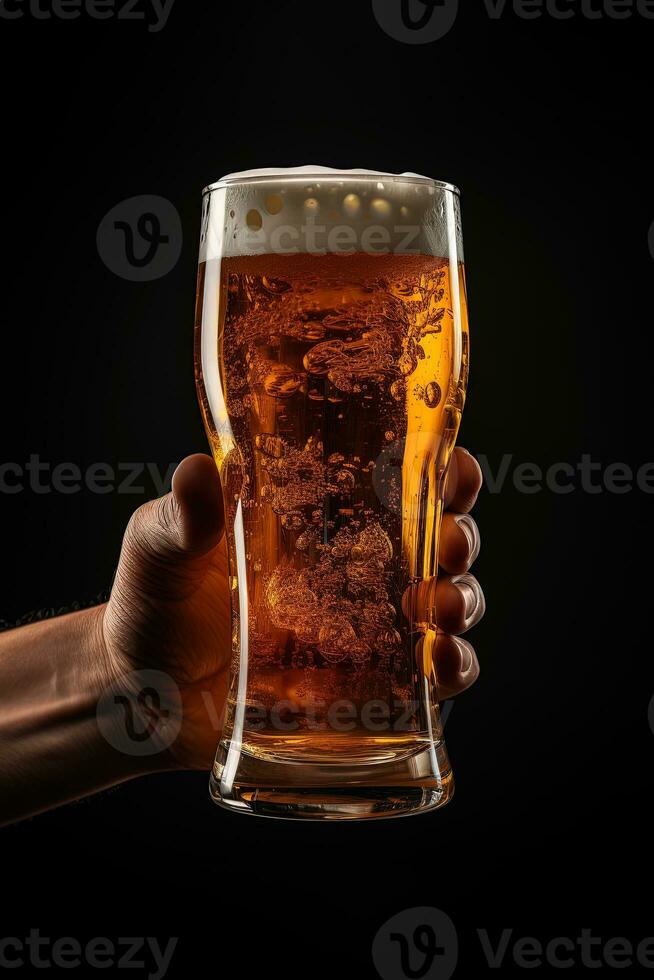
313, 209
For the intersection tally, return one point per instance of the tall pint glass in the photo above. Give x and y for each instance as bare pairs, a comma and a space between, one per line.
331, 361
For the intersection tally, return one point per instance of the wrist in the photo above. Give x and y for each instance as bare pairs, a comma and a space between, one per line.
52, 747
137, 709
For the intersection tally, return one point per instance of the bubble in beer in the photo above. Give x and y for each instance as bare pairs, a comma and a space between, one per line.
313, 330
359, 652
345, 481
433, 395
351, 205
305, 540
311, 206
254, 220
282, 382
408, 363
275, 285
398, 390
274, 203
335, 639
293, 521
390, 639
380, 209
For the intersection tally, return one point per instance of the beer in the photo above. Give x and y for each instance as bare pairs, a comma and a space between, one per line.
337, 391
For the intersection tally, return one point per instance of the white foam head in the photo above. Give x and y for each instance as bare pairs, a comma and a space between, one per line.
318, 209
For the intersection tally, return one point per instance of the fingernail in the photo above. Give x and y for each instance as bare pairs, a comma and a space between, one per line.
473, 597
466, 653
471, 531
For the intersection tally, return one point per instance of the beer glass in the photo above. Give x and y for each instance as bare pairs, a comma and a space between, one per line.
331, 362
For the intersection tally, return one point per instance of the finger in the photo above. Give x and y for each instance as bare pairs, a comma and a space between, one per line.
454, 603
460, 543
169, 542
455, 664
199, 500
459, 603
463, 483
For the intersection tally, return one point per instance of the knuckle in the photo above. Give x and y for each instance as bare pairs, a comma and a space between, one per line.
473, 601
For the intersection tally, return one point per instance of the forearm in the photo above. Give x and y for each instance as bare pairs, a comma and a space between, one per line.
52, 675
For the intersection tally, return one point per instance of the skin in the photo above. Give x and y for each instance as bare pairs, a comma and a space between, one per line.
169, 612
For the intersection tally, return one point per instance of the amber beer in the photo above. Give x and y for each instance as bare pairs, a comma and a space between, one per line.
332, 385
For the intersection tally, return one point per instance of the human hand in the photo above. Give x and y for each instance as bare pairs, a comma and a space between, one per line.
170, 605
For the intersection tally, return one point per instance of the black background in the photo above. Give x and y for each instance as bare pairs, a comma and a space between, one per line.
544, 125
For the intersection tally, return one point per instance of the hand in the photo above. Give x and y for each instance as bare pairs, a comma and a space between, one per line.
170, 605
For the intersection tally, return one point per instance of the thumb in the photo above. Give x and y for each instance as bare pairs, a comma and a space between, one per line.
197, 501
169, 543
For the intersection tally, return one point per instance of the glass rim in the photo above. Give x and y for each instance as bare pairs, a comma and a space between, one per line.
337, 177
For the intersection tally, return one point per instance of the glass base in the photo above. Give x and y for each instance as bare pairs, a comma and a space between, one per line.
296, 789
